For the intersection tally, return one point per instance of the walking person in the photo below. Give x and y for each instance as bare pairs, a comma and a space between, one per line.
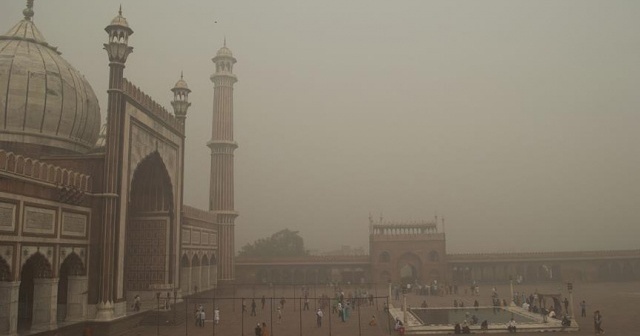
279, 313
258, 330
253, 307
597, 322
306, 303
583, 308
319, 316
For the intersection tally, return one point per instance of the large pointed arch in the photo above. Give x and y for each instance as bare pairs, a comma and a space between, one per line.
149, 257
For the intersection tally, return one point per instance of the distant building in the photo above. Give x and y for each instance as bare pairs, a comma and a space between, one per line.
402, 252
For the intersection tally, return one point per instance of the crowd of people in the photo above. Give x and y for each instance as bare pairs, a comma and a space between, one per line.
343, 303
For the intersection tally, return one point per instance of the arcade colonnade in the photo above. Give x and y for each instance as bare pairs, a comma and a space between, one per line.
38, 295
198, 272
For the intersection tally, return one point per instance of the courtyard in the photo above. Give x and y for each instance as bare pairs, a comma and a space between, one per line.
617, 301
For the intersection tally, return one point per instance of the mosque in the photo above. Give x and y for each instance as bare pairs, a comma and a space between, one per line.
92, 216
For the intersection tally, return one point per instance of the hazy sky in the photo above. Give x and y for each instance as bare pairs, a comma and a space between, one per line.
518, 121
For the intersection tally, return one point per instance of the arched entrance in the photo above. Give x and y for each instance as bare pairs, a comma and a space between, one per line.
5, 271
35, 268
409, 268
185, 274
149, 231
72, 267
204, 277
195, 274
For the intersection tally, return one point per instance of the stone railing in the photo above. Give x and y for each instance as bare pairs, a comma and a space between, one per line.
198, 214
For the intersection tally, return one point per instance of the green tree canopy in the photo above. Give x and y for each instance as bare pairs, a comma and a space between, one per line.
284, 243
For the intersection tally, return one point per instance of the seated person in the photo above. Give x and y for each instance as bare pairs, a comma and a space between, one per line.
566, 321
424, 304
373, 321
398, 324
552, 313
465, 327
474, 319
511, 326
457, 329
484, 325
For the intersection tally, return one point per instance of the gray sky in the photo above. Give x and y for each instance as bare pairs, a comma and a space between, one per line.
515, 120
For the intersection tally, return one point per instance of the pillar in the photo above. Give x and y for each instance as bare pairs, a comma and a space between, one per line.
78, 287
9, 312
45, 304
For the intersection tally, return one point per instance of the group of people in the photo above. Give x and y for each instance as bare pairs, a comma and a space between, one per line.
262, 329
201, 316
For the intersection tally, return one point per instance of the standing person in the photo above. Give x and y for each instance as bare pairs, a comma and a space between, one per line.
279, 313
597, 321
258, 330
253, 307
202, 318
197, 316
566, 305
244, 306
583, 308
136, 303
319, 316
262, 301
282, 302
216, 316
265, 329
306, 303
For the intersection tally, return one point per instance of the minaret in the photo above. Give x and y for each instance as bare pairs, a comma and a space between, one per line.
222, 147
118, 50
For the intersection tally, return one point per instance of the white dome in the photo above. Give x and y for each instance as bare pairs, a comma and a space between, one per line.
43, 100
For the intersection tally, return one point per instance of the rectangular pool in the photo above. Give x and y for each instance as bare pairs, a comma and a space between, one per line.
440, 316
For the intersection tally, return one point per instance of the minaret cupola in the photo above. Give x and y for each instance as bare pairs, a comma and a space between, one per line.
119, 31
180, 101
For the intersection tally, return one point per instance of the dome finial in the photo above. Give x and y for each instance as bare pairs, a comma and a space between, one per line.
225, 40
28, 12
181, 74
120, 10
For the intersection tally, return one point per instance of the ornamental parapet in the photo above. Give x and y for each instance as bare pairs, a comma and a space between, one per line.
363, 260
542, 256
151, 107
408, 237
31, 169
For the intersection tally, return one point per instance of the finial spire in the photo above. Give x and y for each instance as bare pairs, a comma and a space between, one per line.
28, 12
225, 41
120, 10
181, 74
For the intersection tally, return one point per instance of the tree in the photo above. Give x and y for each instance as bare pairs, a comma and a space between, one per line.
284, 243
